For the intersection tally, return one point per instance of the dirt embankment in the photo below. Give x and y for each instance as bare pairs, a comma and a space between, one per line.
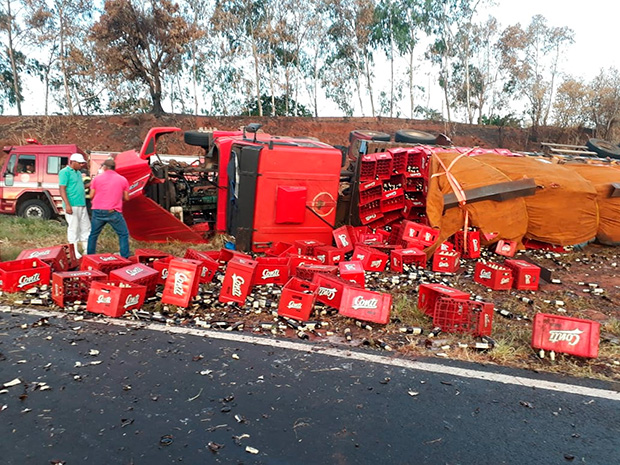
118, 133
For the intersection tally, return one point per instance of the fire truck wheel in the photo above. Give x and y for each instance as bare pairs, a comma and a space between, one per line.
603, 148
198, 138
35, 209
411, 136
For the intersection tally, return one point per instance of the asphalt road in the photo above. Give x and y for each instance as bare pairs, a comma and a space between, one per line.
108, 394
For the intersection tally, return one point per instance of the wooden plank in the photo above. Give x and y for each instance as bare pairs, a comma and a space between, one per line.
572, 152
497, 192
615, 189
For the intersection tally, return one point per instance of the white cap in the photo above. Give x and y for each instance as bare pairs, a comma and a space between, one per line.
77, 157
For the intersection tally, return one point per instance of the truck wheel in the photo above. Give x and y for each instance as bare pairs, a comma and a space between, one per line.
411, 136
35, 209
369, 135
198, 138
603, 148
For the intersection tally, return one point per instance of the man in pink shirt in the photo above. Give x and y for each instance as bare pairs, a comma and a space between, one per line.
108, 191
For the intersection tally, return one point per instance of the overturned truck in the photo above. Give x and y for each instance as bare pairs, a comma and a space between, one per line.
263, 189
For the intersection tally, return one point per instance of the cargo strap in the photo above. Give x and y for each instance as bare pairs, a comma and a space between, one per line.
320, 217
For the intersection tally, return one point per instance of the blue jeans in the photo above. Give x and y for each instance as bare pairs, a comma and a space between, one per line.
113, 218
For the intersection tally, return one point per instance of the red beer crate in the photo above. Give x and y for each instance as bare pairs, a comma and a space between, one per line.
414, 182
372, 259
506, 248
271, 270
56, 257
182, 282
237, 280
526, 275
564, 334
463, 316
278, 249
370, 191
19, 275
137, 274
297, 299
148, 256
493, 276
425, 234
372, 238
411, 257
330, 289
306, 247
295, 260
113, 298
208, 267
74, 262
470, 247
306, 271
384, 165
161, 266
373, 218
446, 246
366, 305
448, 261
329, 255
352, 271
225, 255
105, 262
429, 293
368, 167
393, 200
399, 160
71, 286
369, 208
343, 239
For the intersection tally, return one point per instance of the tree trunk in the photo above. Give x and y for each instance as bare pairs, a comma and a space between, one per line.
18, 95
316, 83
156, 91
391, 75
411, 99
63, 64
257, 78
369, 87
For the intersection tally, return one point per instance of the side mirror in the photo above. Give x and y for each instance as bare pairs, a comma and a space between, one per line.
9, 179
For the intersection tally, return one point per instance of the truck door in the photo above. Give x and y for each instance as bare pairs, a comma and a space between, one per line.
242, 174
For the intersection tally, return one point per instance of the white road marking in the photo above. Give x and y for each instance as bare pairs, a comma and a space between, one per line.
344, 353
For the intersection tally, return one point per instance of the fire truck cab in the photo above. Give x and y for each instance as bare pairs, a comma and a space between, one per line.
29, 179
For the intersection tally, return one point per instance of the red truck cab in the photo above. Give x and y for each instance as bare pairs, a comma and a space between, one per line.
29, 179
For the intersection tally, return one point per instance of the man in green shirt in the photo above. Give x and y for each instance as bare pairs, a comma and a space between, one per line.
74, 202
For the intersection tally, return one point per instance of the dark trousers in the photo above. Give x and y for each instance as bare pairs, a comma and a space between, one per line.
115, 219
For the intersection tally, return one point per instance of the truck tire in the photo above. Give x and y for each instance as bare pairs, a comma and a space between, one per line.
197, 138
603, 148
411, 136
369, 135
35, 209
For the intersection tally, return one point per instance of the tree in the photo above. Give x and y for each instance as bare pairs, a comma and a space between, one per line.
142, 42
283, 107
531, 56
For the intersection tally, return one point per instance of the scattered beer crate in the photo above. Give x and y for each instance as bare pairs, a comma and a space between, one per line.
114, 298
368, 167
137, 274
371, 259
463, 316
71, 286
297, 299
306, 247
271, 270
20, 275
429, 293
353, 271
329, 255
493, 275
370, 191
343, 239
366, 305
105, 262
526, 275
383, 169
56, 257
393, 200
306, 271
148, 256
330, 289
208, 267
506, 248
182, 281
399, 258
161, 266
399, 160
448, 261
279, 248
238, 280
468, 245
567, 335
